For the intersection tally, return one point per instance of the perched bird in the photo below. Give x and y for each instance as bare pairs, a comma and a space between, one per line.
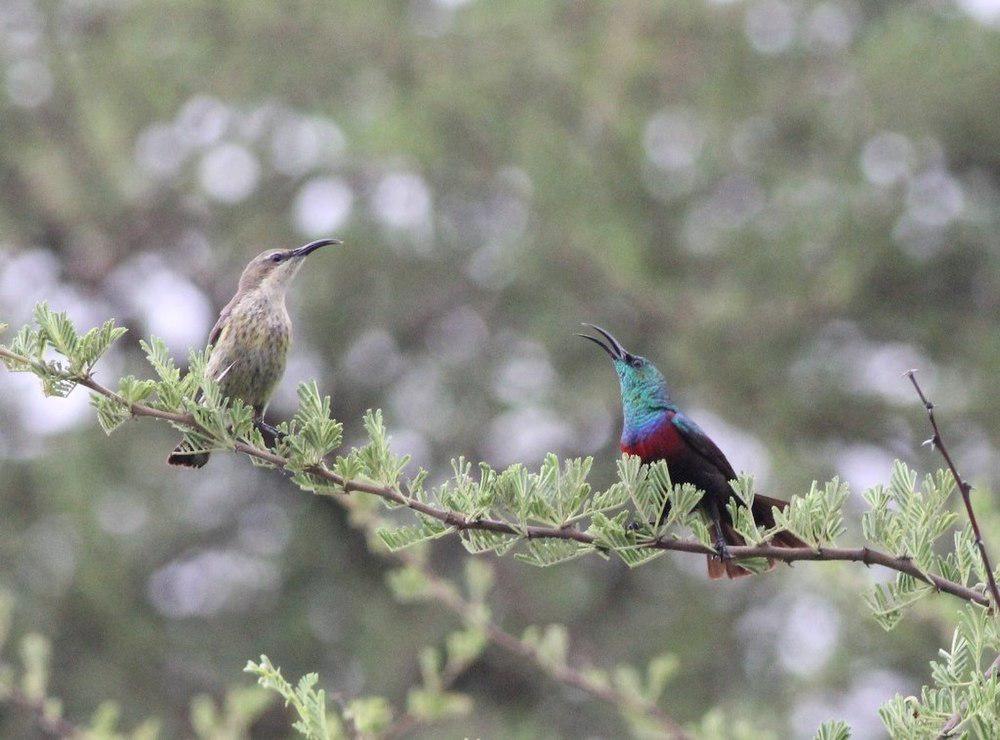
655, 429
249, 343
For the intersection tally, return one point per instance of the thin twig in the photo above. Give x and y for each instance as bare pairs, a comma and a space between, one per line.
447, 595
966, 490
461, 522
948, 729
963, 486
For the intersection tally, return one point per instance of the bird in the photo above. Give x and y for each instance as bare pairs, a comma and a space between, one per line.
249, 343
654, 429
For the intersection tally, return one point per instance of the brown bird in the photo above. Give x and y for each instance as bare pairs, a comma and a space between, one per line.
249, 342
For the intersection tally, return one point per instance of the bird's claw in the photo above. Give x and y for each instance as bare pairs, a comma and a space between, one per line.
722, 550
270, 433
633, 525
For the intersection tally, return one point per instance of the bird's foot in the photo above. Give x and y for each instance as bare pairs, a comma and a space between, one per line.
270, 433
633, 525
722, 550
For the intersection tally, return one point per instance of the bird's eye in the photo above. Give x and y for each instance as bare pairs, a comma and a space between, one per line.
635, 362
277, 257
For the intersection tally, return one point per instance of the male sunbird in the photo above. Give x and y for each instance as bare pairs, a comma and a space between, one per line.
655, 429
251, 338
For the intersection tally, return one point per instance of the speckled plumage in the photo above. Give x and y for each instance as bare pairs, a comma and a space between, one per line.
248, 358
251, 338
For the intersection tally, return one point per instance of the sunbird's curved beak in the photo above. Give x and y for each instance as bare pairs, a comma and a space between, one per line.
613, 347
313, 246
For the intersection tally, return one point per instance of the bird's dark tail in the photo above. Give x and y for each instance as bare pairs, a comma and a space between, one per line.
764, 516
182, 456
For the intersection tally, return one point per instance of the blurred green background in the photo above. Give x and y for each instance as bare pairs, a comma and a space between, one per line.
784, 204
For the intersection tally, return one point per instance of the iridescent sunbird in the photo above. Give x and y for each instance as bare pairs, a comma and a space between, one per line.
656, 429
249, 342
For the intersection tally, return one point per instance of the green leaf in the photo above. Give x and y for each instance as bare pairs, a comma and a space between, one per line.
56, 330
402, 537
110, 412
612, 498
833, 730
648, 486
203, 714
463, 647
887, 601
478, 541
370, 714
35, 654
817, 517
169, 391
313, 433
378, 462
478, 579
28, 345
659, 672
612, 535
433, 706
308, 702
92, 346
907, 520
545, 552
408, 584
551, 644
104, 721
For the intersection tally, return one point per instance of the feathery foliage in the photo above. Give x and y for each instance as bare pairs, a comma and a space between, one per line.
548, 517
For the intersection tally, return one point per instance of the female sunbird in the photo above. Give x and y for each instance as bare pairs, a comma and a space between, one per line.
655, 429
249, 343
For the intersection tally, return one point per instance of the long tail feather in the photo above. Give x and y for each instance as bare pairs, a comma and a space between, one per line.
725, 568
763, 514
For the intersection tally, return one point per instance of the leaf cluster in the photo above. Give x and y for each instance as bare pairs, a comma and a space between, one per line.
910, 522
640, 509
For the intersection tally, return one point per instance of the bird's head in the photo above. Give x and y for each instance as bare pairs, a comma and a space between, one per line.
643, 387
274, 269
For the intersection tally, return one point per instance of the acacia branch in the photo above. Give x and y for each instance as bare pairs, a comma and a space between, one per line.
963, 486
562, 673
460, 522
966, 490
446, 594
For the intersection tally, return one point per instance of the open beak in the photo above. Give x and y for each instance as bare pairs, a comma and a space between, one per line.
613, 347
313, 246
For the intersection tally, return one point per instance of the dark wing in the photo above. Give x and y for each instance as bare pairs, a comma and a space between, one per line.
700, 442
220, 323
